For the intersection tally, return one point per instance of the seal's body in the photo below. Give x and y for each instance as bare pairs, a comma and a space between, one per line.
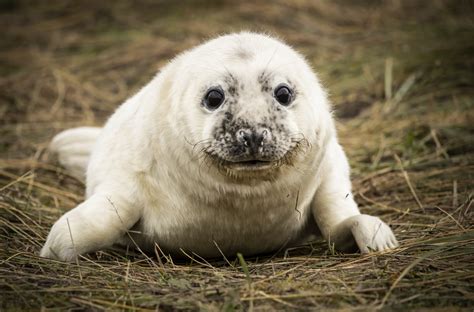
230, 148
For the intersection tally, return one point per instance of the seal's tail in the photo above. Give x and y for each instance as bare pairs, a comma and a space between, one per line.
74, 147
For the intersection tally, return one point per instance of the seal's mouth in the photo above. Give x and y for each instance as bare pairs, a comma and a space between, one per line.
256, 163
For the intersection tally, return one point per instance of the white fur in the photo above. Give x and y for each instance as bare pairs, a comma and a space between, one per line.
143, 173
74, 147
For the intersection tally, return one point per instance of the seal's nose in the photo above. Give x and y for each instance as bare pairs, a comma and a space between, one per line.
253, 139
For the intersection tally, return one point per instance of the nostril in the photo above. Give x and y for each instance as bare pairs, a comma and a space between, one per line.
244, 136
265, 136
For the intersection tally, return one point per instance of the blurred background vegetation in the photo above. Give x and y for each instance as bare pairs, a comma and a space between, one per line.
400, 75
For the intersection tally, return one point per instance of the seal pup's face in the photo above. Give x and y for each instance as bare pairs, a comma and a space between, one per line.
250, 105
250, 123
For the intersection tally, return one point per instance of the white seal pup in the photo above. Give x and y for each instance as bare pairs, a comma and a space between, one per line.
230, 148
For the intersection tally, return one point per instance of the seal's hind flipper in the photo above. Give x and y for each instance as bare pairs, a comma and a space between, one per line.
73, 148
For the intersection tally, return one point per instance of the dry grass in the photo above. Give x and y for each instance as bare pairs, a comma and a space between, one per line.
401, 77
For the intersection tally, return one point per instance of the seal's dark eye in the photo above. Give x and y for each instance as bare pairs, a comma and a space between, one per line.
283, 94
214, 98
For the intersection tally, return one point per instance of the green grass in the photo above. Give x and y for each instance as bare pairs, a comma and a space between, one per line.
65, 64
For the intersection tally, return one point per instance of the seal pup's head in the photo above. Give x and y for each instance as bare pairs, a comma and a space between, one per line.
246, 104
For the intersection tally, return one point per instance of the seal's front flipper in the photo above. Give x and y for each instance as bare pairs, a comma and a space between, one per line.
337, 214
74, 147
97, 223
363, 232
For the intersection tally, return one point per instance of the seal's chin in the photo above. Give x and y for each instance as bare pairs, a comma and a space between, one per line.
250, 165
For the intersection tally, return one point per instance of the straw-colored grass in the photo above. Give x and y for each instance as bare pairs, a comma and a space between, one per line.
400, 74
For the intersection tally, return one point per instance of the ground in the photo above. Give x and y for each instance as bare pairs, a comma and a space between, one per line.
400, 76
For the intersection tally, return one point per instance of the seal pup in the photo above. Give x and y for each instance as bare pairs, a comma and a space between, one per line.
230, 148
